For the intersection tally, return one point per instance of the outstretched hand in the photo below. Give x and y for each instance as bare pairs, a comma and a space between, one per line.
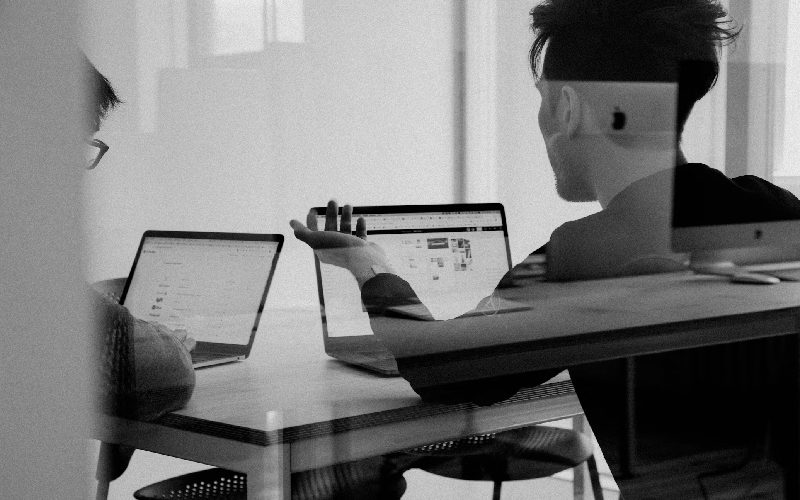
335, 235
336, 245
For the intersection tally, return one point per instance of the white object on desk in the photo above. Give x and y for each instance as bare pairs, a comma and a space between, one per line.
754, 278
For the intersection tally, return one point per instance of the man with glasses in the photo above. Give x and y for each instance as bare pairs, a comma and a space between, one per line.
101, 99
143, 370
95, 151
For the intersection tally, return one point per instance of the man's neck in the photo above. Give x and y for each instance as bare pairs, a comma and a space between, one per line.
613, 177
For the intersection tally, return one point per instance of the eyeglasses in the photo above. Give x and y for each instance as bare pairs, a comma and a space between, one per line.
94, 152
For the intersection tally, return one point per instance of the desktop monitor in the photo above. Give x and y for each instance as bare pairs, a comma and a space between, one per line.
739, 236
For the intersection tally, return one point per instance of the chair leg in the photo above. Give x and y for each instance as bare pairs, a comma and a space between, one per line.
496, 490
594, 476
578, 483
112, 460
102, 490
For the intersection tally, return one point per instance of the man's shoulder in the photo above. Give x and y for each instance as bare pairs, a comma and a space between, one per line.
702, 176
757, 184
708, 197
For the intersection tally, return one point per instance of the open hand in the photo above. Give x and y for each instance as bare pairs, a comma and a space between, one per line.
335, 235
336, 245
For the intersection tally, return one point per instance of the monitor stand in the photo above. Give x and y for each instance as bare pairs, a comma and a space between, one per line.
714, 263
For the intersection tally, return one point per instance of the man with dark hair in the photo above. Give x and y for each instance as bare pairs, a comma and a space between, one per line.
580, 44
634, 41
100, 94
143, 370
585, 50
163, 376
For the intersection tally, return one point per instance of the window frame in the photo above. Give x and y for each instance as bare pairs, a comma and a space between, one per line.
755, 109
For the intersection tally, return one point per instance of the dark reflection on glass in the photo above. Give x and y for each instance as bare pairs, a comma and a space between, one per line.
706, 197
687, 422
680, 417
725, 216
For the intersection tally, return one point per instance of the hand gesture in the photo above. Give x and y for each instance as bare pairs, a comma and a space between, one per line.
189, 342
336, 245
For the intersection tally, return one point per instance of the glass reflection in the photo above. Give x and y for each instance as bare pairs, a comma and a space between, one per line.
237, 26
244, 26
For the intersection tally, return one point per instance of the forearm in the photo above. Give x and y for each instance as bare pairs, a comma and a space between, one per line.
165, 378
386, 295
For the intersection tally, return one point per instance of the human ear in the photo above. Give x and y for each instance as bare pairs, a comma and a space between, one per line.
570, 110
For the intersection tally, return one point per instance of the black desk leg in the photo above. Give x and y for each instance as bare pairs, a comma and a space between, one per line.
628, 444
112, 461
793, 457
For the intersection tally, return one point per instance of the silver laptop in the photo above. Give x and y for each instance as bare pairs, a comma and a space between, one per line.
452, 255
212, 285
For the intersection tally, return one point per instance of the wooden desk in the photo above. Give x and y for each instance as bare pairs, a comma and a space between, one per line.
290, 408
581, 322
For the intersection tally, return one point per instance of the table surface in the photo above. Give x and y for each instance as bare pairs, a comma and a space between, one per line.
571, 323
290, 392
568, 310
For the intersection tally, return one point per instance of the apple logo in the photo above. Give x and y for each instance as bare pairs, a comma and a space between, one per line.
619, 119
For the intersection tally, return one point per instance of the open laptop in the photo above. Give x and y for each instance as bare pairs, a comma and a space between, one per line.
212, 285
452, 255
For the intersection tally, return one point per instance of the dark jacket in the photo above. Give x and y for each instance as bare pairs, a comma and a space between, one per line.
631, 236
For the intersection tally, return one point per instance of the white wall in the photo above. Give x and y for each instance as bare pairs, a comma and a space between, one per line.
362, 110
43, 311
526, 184
703, 139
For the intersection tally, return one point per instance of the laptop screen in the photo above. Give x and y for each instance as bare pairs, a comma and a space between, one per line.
453, 256
213, 288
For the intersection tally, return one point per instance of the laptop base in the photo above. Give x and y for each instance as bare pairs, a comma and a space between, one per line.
381, 363
214, 361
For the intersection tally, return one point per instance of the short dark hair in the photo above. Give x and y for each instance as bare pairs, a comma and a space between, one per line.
632, 40
102, 96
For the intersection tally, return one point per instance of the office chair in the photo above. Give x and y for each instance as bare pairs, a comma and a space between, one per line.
528, 453
366, 479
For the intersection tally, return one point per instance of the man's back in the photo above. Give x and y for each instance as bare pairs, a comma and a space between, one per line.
695, 410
